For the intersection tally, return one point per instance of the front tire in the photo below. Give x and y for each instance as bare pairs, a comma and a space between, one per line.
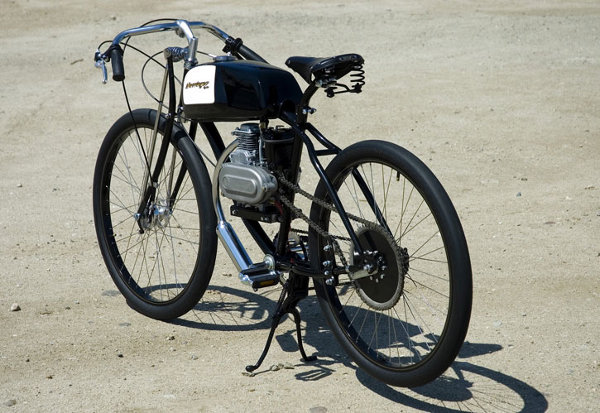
162, 261
405, 322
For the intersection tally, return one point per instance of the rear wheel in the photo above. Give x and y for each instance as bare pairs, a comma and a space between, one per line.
403, 314
160, 255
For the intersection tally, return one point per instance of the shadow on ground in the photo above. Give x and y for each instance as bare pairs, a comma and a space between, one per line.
466, 386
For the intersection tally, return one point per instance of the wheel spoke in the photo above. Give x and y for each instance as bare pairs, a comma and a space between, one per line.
161, 259
397, 331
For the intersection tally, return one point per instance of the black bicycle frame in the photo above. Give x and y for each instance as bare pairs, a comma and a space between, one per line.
298, 123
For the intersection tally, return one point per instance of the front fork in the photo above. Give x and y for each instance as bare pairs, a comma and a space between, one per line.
145, 213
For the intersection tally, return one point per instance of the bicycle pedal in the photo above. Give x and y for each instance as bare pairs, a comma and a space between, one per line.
259, 276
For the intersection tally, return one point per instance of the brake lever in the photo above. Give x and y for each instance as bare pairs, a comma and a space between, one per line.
101, 64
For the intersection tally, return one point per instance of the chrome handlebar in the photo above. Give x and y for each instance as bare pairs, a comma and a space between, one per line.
182, 28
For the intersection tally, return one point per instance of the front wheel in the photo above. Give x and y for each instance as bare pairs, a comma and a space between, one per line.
156, 234
403, 310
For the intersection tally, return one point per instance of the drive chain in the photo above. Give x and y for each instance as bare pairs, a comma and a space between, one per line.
299, 214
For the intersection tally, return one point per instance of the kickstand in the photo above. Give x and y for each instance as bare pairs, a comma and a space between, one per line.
285, 305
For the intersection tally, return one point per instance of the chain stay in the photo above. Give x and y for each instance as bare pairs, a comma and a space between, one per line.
298, 213
319, 202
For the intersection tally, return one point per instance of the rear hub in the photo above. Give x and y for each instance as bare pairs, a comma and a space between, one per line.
386, 264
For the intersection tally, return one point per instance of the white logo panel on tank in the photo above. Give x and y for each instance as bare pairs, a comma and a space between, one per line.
199, 85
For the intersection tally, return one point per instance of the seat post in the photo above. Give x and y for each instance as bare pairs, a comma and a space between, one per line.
303, 110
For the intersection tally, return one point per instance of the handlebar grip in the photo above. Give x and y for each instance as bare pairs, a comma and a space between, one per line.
116, 58
249, 54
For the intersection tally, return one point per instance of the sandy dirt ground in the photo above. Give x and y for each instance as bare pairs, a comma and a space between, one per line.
501, 99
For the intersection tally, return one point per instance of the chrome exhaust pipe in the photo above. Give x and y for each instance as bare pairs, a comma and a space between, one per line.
233, 245
258, 275
225, 231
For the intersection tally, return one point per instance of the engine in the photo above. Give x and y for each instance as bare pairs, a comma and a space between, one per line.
243, 178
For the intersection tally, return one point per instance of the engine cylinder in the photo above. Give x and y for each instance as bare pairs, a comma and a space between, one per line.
243, 178
247, 135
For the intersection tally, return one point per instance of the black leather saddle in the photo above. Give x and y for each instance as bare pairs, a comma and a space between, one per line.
324, 68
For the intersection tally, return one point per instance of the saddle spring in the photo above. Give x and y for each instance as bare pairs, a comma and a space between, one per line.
357, 80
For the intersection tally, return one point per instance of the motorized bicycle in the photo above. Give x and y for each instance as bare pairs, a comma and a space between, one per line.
380, 239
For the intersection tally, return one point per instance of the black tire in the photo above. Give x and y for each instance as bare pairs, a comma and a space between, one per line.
163, 270
405, 322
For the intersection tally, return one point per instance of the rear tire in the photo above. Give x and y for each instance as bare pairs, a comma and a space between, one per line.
163, 271
404, 323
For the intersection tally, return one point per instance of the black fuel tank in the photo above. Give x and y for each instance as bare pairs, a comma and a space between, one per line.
237, 90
